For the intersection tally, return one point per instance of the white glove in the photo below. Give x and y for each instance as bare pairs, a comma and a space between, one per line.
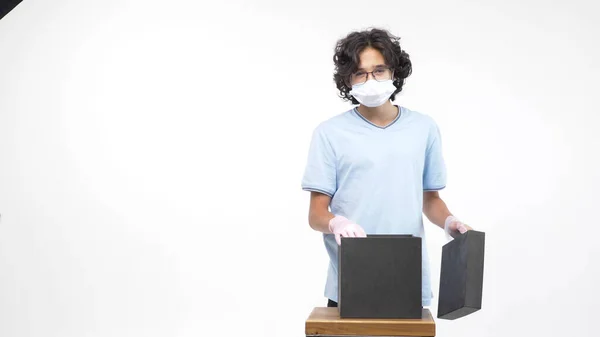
452, 225
340, 226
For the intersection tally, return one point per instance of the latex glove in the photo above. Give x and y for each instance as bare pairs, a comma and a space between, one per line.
452, 226
340, 226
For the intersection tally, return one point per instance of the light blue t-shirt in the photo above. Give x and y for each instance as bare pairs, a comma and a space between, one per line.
376, 177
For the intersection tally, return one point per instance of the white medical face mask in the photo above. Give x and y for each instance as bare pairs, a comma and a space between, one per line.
373, 93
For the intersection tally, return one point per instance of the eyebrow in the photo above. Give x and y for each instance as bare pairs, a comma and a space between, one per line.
377, 66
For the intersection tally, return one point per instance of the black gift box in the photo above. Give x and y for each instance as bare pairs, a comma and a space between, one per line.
461, 277
380, 277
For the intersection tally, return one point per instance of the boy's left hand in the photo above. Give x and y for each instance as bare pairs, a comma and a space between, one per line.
453, 226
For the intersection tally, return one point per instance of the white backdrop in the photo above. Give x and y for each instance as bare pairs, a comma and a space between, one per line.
151, 154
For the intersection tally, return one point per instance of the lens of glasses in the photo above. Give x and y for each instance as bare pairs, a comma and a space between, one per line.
382, 74
359, 77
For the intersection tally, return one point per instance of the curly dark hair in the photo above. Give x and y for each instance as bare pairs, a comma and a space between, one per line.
346, 58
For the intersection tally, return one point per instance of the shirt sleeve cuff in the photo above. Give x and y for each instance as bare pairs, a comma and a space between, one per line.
430, 189
316, 189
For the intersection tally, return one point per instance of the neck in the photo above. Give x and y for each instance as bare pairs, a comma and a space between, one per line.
382, 114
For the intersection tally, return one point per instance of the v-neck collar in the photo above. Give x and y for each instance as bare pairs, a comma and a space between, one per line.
355, 110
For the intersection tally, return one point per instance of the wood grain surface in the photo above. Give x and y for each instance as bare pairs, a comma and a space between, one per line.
327, 322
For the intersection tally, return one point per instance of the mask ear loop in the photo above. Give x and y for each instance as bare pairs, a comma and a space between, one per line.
349, 87
393, 79
395, 82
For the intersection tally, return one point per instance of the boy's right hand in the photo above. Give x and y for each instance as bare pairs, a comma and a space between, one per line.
340, 226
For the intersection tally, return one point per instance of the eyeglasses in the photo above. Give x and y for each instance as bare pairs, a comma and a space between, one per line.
379, 74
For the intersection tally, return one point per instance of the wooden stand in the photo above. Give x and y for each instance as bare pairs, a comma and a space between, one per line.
327, 322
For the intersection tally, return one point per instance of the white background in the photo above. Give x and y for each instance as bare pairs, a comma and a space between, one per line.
151, 154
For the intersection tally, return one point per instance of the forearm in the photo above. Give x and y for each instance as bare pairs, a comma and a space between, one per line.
435, 210
319, 221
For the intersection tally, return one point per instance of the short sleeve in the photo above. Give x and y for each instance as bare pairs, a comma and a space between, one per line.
434, 172
320, 171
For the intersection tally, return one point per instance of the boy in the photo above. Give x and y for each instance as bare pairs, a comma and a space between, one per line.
378, 166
